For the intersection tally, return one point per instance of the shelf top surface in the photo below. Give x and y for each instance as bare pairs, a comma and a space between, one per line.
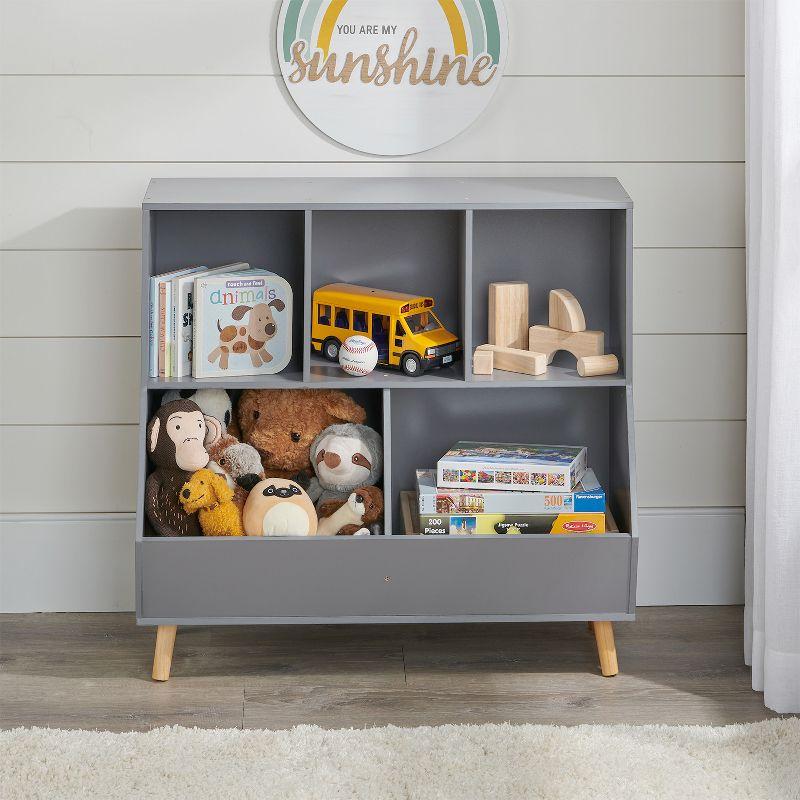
385, 193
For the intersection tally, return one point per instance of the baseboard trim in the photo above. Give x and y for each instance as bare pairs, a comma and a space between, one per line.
691, 556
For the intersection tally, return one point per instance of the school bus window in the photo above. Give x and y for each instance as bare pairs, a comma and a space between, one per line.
342, 318
423, 322
398, 329
360, 321
324, 317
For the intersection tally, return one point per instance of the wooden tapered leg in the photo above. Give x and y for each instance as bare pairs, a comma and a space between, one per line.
165, 644
606, 649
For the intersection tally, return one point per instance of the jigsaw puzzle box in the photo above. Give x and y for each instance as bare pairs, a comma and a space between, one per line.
588, 496
511, 467
508, 524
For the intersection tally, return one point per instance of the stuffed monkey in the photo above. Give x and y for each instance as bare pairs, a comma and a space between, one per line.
175, 445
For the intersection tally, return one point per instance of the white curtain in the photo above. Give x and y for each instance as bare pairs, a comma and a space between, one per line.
772, 613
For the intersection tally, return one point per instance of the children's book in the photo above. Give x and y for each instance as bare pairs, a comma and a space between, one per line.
588, 496
163, 328
158, 332
511, 467
182, 313
242, 324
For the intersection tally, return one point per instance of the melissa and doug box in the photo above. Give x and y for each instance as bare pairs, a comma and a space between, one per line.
242, 324
587, 496
511, 467
506, 524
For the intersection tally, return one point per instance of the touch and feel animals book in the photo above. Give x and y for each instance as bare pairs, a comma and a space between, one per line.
511, 467
242, 324
182, 315
588, 496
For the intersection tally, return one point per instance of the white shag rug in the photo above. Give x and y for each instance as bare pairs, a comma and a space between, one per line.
760, 761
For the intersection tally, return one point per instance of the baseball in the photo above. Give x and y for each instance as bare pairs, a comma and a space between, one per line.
358, 355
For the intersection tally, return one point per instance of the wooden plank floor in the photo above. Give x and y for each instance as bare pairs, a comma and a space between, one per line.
679, 666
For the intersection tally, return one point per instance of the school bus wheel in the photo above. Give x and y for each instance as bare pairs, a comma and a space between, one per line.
411, 365
331, 349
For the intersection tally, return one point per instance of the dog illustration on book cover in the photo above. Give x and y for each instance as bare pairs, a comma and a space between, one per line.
251, 337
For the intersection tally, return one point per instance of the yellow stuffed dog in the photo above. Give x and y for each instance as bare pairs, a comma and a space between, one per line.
210, 494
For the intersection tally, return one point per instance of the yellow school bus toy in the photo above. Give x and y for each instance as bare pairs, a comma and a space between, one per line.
404, 327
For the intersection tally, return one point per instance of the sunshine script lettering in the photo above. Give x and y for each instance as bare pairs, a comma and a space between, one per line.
382, 71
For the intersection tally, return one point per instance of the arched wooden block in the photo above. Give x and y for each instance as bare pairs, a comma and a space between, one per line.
566, 313
549, 341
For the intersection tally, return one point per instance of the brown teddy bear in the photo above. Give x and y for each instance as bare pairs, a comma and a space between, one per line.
282, 423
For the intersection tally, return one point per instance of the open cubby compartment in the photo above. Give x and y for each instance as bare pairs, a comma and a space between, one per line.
586, 251
428, 424
373, 401
269, 239
418, 252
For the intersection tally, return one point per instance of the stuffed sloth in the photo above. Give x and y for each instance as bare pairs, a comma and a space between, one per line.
345, 457
175, 438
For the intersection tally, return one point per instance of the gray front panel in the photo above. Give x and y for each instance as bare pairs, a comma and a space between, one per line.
387, 576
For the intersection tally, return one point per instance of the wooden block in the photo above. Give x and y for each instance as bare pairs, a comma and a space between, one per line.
508, 314
549, 341
590, 366
483, 362
512, 360
566, 313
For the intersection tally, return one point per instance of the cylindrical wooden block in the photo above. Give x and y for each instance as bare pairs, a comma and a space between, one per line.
508, 314
592, 366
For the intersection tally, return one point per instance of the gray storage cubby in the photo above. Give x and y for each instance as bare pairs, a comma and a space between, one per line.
582, 251
448, 239
419, 252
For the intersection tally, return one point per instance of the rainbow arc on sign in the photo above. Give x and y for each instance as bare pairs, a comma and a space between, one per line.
473, 24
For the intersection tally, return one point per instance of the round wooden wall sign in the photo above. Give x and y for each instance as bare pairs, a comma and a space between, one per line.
392, 77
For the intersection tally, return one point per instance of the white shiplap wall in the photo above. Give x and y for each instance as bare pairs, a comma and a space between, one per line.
99, 97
